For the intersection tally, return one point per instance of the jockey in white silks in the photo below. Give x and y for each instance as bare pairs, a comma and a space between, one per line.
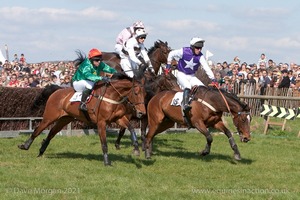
132, 50
126, 34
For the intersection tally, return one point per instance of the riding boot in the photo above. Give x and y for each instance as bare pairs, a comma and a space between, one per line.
85, 94
185, 104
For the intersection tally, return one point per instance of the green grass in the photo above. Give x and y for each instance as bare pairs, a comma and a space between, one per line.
72, 168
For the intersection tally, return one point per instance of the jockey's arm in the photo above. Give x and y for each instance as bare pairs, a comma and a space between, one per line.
175, 55
206, 68
145, 54
133, 57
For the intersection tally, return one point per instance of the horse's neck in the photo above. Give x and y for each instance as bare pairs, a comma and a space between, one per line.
117, 90
218, 102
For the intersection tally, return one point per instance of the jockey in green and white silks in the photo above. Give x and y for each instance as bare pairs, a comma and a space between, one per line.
88, 73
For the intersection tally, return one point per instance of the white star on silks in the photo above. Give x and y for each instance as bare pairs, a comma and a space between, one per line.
190, 64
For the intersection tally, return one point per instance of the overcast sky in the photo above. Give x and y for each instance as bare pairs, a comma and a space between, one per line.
54, 30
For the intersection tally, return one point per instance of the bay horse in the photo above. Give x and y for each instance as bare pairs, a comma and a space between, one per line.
158, 55
106, 105
154, 84
208, 105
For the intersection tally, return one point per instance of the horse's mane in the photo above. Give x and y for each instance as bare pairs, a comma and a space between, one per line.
80, 58
120, 76
229, 95
156, 45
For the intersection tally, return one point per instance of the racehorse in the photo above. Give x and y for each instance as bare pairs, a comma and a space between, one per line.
154, 84
106, 105
208, 105
158, 55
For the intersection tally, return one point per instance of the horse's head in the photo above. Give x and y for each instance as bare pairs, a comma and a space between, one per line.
158, 54
242, 121
137, 96
122, 86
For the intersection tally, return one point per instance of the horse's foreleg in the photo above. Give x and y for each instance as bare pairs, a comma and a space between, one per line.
144, 124
134, 140
124, 122
120, 135
54, 130
220, 125
26, 145
200, 126
102, 135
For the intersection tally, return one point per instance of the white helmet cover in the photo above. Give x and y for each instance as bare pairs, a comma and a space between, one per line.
140, 33
197, 42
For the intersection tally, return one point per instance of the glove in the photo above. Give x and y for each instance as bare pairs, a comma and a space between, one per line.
215, 83
168, 66
151, 68
105, 79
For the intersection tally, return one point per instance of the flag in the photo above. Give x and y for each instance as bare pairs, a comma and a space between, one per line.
208, 54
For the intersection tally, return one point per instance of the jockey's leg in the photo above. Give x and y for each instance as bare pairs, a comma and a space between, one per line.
126, 66
185, 104
85, 94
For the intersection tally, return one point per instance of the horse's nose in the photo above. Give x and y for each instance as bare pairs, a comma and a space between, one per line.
245, 139
140, 114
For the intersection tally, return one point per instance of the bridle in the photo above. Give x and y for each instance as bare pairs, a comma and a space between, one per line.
239, 114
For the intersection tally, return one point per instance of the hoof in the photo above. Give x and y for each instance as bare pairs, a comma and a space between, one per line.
22, 146
136, 152
237, 157
106, 160
107, 163
204, 153
117, 146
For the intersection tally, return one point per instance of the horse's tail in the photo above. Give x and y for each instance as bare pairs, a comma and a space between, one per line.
80, 58
41, 99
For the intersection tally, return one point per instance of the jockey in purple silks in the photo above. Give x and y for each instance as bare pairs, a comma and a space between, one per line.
189, 60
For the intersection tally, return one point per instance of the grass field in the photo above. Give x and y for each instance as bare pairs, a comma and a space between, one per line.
72, 168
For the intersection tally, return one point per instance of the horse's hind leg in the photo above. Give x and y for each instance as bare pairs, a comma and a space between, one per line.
54, 130
43, 125
120, 135
220, 125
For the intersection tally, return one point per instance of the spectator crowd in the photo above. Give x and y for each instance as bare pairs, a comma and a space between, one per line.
265, 73
20, 73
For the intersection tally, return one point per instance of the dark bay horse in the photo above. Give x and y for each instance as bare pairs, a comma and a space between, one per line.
108, 104
158, 55
154, 84
208, 105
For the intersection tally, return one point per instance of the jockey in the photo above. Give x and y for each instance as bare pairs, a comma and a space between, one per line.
134, 53
88, 73
189, 60
126, 34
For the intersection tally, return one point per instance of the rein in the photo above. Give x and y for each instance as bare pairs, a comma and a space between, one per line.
228, 108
